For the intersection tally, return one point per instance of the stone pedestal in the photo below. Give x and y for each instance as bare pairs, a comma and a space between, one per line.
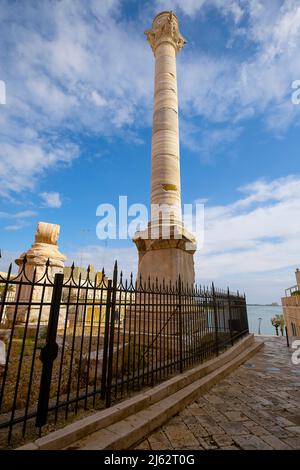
165, 259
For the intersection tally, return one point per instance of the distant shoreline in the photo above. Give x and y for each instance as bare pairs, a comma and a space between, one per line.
263, 305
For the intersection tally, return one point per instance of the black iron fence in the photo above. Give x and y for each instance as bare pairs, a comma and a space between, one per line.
74, 343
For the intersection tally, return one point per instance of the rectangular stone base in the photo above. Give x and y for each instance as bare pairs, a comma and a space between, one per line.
167, 264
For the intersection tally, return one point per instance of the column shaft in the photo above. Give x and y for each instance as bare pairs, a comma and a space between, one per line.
165, 167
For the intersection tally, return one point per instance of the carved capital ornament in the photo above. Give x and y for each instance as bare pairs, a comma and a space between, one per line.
165, 29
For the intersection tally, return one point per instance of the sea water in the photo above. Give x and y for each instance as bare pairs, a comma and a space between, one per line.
265, 312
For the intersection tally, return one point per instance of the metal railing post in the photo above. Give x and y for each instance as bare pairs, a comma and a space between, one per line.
49, 352
287, 337
111, 337
215, 318
230, 316
106, 337
245, 314
180, 326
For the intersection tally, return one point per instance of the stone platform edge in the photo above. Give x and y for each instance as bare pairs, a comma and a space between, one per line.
208, 373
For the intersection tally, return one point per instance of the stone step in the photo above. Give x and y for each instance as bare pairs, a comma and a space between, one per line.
127, 432
143, 401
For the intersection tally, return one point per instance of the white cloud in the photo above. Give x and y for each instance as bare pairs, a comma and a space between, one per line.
63, 77
207, 143
23, 164
17, 226
269, 211
2, 92
97, 99
87, 69
230, 88
255, 239
17, 215
19, 219
51, 199
191, 7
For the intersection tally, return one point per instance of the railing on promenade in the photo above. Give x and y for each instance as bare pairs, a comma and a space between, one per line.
82, 343
294, 290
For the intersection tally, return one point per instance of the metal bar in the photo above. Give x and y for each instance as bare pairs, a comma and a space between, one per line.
70, 378
145, 339
120, 290
164, 325
49, 352
33, 361
180, 326
152, 311
168, 330
62, 355
102, 288
148, 333
245, 313
124, 338
129, 339
134, 345
106, 338
111, 337
230, 316
18, 377
14, 321
160, 336
83, 316
93, 287
140, 345
156, 328
215, 319
287, 337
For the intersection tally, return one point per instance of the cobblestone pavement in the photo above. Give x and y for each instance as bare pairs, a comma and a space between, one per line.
256, 407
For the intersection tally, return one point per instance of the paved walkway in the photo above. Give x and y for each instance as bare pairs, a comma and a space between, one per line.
256, 407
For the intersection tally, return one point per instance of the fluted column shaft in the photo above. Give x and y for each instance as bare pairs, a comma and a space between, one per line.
165, 40
165, 166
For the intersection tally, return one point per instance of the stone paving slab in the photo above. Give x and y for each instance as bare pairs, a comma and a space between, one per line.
256, 407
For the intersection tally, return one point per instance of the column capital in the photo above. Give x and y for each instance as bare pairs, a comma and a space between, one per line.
165, 28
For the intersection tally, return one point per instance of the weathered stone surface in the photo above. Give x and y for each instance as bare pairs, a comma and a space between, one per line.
223, 440
250, 442
234, 429
275, 443
43, 251
144, 445
292, 442
236, 416
252, 411
159, 441
210, 425
294, 429
197, 429
180, 436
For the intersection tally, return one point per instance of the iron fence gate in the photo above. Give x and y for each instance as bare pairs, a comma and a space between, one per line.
83, 342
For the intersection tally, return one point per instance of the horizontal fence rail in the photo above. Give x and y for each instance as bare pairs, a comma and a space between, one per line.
77, 342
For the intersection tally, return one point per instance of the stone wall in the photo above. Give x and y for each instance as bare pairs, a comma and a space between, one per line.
291, 312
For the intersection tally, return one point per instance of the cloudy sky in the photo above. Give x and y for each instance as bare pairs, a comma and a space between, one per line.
75, 131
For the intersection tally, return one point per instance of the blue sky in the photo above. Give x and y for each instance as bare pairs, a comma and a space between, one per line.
75, 131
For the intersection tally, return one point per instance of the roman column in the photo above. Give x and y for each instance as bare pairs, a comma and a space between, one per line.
165, 248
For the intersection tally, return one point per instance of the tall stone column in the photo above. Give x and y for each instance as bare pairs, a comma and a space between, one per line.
165, 249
